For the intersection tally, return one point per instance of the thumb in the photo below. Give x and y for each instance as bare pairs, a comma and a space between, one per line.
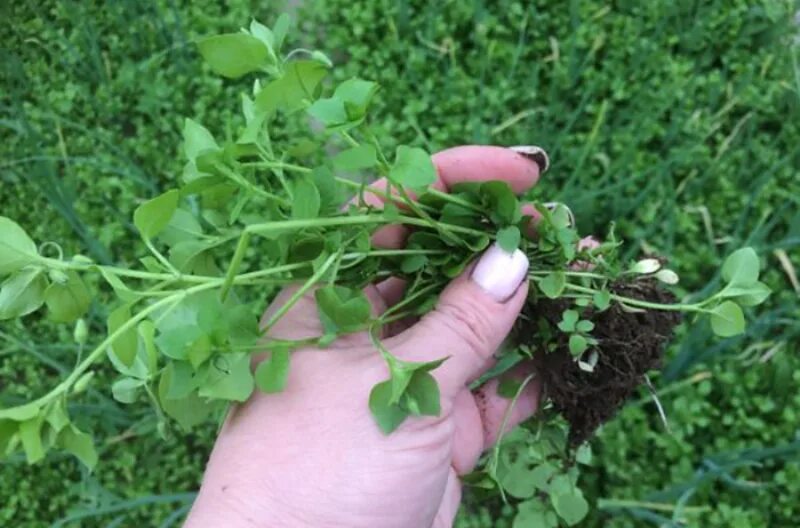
474, 315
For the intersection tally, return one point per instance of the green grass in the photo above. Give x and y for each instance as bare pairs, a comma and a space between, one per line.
678, 120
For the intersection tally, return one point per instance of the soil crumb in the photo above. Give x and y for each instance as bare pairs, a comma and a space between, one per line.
630, 345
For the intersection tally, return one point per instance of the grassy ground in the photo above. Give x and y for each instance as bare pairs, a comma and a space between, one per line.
678, 120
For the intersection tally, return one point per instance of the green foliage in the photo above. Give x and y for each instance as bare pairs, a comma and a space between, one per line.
18, 249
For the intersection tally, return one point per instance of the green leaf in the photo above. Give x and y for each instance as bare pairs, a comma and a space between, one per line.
21, 413
229, 378
125, 390
577, 345
182, 227
508, 238
17, 250
8, 428
154, 215
175, 342
299, 83
125, 344
583, 455
280, 29
67, 302
413, 263
421, 397
188, 410
265, 35
197, 140
356, 158
727, 319
553, 284
534, 514
568, 320
234, 54
755, 295
30, 434
388, 416
412, 167
584, 326
502, 203
356, 95
22, 293
347, 309
508, 388
601, 299
80, 444
306, 199
329, 111
271, 374
741, 268
57, 416
147, 330
571, 507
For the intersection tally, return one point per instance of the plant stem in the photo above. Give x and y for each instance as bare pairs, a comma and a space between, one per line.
235, 264
292, 225
161, 258
243, 182
278, 165
535, 274
640, 303
297, 295
492, 466
350, 139
605, 504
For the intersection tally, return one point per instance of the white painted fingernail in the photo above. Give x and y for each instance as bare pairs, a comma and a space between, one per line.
537, 154
500, 273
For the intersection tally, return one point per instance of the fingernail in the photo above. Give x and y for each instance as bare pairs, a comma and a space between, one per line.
537, 154
500, 273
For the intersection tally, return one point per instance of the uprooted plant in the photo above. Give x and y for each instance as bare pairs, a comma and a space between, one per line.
182, 336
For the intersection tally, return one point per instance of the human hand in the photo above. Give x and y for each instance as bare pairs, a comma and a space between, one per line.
313, 455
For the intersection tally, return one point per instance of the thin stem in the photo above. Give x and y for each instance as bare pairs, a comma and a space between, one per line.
235, 264
297, 295
605, 504
161, 258
408, 300
241, 181
291, 225
277, 165
422, 214
640, 303
350, 139
535, 273
501, 433
453, 199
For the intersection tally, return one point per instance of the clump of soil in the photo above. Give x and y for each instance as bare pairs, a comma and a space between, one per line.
630, 344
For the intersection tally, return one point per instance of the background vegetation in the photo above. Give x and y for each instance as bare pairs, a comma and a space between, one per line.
679, 120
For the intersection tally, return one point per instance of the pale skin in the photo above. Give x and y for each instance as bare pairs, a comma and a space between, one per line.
312, 456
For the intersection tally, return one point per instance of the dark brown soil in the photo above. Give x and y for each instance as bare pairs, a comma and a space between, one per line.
630, 344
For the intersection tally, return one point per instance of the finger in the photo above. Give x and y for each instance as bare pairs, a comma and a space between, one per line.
477, 163
480, 416
535, 215
493, 408
588, 242
473, 316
